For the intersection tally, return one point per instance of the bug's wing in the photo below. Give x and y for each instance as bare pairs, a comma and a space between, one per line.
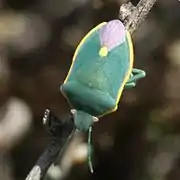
94, 82
91, 38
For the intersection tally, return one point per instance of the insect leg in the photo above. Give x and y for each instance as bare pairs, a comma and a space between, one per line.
137, 74
130, 85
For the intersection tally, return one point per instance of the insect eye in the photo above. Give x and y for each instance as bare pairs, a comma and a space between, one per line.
95, 119
73, 111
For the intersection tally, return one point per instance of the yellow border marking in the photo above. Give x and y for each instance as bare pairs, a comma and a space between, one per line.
103, 52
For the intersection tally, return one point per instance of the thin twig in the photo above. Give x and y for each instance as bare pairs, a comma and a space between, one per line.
60, 133
134, 16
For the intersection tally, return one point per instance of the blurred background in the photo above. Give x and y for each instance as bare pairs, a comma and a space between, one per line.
141, 141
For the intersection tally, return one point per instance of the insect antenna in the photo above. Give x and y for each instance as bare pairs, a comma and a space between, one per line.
90, 150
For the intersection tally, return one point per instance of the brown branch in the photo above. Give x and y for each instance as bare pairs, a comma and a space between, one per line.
133, 16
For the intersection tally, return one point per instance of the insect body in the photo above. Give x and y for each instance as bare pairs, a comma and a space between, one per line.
101, 69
